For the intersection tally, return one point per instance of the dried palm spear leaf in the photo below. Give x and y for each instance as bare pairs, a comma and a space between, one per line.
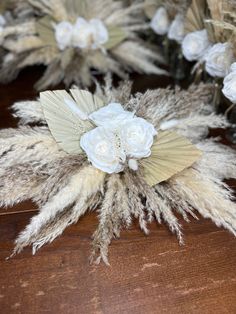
76, 40
128, 157
218, 17
173, 7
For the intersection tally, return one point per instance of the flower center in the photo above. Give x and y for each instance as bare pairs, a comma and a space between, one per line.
102, 148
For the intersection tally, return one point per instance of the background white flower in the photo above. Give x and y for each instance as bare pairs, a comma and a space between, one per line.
113, 114
2, 20
218, 59
100, 32
232, 67
83, 34
2, 24
63, 34
176, 30
103, 149
195, 45
229, 89
137, 137
160, 22
89, 34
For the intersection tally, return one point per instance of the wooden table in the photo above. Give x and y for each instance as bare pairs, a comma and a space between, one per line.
148, 274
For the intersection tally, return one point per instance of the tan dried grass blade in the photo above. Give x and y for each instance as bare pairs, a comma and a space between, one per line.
66, 57
116, 36
65, 125
216, 9
194, 19
76, 8
171, 153
45, 31
216, 14
150, 7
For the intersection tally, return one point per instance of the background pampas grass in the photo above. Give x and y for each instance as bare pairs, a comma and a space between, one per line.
32, 166
33, 42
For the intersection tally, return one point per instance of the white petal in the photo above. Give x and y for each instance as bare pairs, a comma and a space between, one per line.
133, 164
101, 35
81, 22
166, 125
63, 34
113, 114
74, 107
160, 22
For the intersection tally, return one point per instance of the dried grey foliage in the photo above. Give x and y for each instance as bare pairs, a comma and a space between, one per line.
65, 187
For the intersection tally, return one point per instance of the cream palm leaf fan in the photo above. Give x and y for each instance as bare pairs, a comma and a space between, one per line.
66, 115
171, 153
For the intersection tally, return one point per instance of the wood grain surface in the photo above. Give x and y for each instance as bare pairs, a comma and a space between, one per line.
148, 274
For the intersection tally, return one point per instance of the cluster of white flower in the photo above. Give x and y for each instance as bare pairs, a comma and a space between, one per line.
197, 47
83, 34
161, 25
119, 137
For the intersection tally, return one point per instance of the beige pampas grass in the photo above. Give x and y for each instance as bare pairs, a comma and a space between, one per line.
34, 43
65, 186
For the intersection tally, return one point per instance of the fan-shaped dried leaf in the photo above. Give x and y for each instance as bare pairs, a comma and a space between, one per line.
65, 124
171, 153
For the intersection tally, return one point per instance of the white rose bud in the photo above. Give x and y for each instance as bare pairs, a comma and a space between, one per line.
63, 34
195, 45
229, 89
137, 137
176, 30
218, 59
160, 22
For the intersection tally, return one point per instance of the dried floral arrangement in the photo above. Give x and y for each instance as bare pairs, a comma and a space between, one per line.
128, 156
206, 33
77, 40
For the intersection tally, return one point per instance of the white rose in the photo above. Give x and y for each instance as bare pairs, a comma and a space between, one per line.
195, 45
160, 22
232, 67
218, 59
1, 35
113, 114
100, 32
229, 89
82, 34
90, 34
63, 34
137, 137
2, 20
104, 149
176, 30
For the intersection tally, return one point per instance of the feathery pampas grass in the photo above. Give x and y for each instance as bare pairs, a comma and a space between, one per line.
32, 166
33, 42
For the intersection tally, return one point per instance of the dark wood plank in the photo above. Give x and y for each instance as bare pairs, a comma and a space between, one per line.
148, 274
